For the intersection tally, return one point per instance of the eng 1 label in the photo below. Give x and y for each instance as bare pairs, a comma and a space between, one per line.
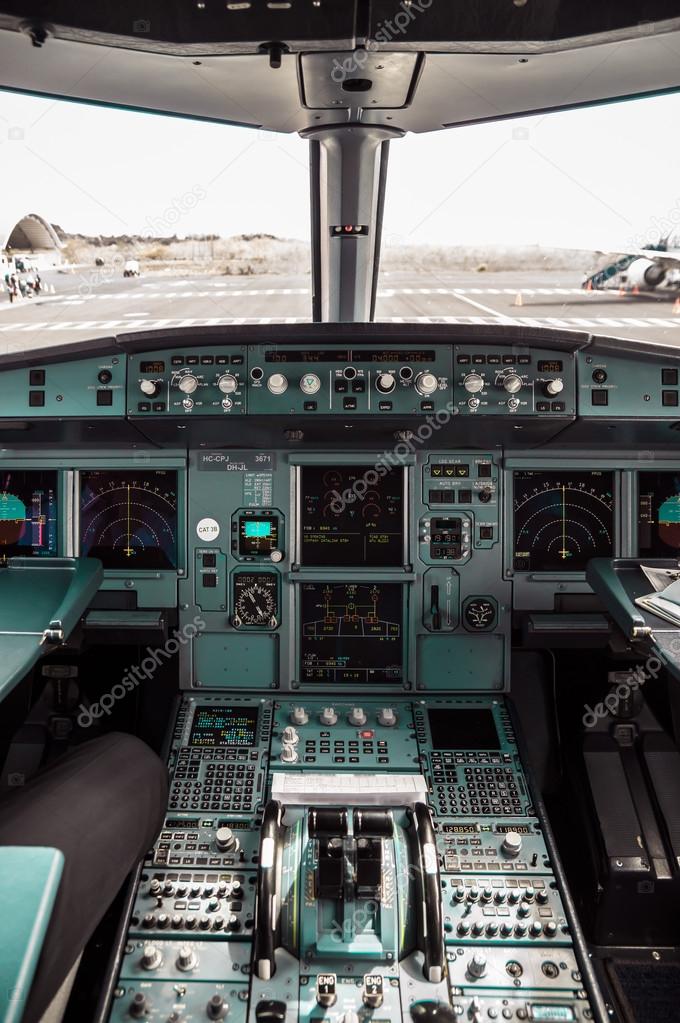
207, 530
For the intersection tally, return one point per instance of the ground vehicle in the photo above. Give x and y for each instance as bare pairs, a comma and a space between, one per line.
131, 268
338, 616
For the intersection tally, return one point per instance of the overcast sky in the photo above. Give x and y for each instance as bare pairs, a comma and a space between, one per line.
603, 177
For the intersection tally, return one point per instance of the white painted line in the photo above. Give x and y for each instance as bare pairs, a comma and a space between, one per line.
486, 309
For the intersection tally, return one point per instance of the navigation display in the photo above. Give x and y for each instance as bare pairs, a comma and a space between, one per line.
659, 514
129, 519
562, 519
351, 632
351, 515
462, 729
224, 726
28, 514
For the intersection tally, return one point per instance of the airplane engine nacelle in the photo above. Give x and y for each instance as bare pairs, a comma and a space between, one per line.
645, 273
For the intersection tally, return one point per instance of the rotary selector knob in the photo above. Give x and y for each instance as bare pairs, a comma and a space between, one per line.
328, 716
277, 383
477, 965
554, 387
186, 958
299, 716
426, 383
473, 383
227, 383
385, 383
216, 1008
226, 840
140, 1006
149, 388
151, 957
187, 383
512, 383
289, 755
310, 383
357, 716
386, 717
290, 736
512, 844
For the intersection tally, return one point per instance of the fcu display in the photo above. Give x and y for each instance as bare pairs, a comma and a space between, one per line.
352, 515
28, 514
129, 520
351, 632
562, 520
659, 514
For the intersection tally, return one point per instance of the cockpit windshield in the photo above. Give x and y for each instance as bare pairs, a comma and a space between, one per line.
119, 220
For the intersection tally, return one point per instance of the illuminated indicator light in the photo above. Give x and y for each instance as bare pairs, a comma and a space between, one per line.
366, 735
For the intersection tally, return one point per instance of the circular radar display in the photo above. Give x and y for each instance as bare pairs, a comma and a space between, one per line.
562, 520
129, 520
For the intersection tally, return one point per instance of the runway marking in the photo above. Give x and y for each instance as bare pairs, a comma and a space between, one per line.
485, 308
203, 321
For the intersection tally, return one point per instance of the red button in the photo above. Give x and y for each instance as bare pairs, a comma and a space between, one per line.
366, 735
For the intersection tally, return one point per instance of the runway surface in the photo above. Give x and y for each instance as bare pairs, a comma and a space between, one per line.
90, 303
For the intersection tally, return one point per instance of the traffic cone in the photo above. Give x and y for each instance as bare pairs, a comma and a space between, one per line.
518, 299
589, 285
636, 290
676, 307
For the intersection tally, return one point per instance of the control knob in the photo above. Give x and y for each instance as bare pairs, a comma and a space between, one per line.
187, 383
270, 1011
299, 716
149, 387
139, 1006
477, 965
216, 1008
186, 958
277, 383
227, 383
512, 844
289, 736
426, 383
328, 716
236, 890
512, 383
554, 387
386, 717
289, 755
226, 840
473, 383
310, 383
385, 383
357, 716
151, 957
